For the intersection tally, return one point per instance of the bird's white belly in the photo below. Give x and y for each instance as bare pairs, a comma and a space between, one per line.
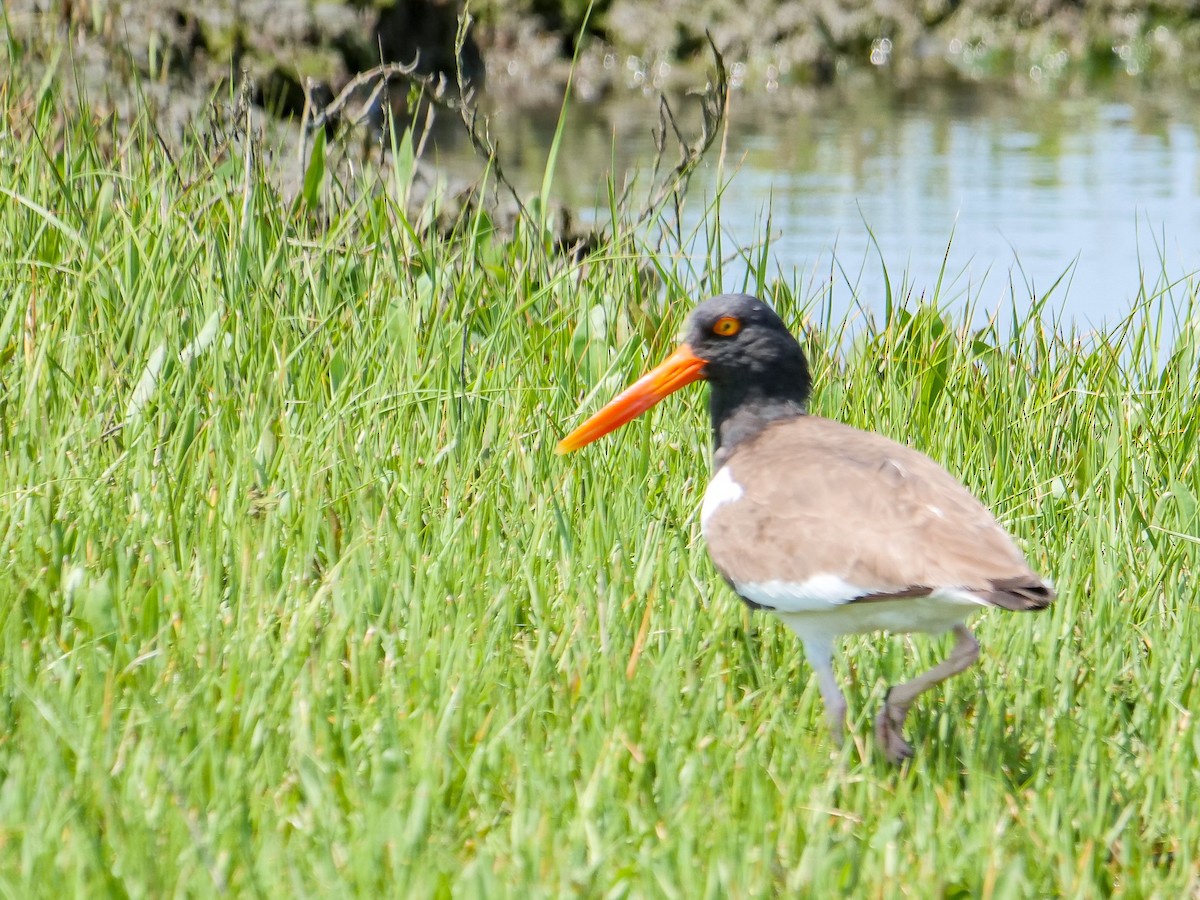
933, 614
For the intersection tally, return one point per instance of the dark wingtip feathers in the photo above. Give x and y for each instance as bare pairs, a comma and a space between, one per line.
1019, 594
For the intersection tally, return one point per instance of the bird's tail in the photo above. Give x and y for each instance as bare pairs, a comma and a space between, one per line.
1020, 594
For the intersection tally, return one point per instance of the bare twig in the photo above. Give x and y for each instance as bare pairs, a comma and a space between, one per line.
481, 137
713, 101
381, 74
439, 91
480, 134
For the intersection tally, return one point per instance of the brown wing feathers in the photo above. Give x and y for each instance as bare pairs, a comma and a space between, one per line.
824, 498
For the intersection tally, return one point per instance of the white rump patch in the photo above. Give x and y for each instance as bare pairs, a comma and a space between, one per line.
932, 614
959, 595
721, 490
823, 593
818, 594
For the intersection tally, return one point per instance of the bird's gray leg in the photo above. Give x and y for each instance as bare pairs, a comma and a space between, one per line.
819, 651
890, 722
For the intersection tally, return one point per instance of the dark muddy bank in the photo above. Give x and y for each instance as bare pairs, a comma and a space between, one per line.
522, 49
284, 59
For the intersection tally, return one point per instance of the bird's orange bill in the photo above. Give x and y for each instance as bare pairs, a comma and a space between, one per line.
680, 368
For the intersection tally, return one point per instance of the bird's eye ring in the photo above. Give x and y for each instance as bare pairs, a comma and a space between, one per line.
727, 326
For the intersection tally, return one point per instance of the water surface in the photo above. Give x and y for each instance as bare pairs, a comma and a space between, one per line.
1023, 187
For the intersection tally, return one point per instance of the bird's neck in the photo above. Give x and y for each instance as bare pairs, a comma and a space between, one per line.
740, 412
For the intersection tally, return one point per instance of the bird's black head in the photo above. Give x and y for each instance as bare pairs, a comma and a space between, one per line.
743, 341
742, 348
754, 365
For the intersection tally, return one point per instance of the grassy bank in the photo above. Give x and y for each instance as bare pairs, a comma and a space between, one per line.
298, 600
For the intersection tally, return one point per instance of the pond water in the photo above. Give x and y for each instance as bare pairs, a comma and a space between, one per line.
1024, 187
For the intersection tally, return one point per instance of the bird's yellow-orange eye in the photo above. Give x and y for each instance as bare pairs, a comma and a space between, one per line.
727, 326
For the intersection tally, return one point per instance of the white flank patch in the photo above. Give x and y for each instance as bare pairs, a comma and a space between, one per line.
957, 595
818, 594
721, 490
823, 593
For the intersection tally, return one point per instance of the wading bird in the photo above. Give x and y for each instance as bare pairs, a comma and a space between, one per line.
834, 530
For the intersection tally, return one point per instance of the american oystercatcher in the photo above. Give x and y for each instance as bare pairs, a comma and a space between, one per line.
834, 530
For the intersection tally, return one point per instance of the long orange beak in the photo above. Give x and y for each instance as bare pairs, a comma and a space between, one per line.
680, 368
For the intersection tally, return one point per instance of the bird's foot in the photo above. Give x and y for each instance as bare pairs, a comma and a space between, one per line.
889, 726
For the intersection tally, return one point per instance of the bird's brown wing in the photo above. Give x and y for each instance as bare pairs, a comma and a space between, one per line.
823, 499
